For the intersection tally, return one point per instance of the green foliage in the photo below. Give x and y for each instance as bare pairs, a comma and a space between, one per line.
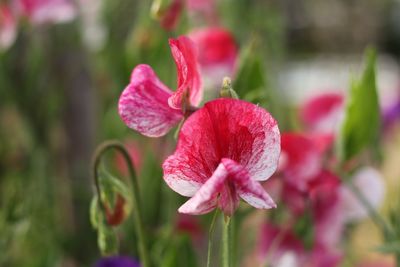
362, 115
107, 240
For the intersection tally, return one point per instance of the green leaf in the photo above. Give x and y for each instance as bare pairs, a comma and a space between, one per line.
390, 248
95, 212
250, 76
361, 124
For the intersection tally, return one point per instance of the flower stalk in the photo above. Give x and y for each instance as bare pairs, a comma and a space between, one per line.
226, 241
139, 228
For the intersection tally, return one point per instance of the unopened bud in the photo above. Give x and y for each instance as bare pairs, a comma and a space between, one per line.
227, 90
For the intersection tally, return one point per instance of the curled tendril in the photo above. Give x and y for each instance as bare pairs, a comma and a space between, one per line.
101, 150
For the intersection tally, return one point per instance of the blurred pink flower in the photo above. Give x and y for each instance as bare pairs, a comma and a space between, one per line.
191, 226
46, 11
326, 209
280, 247
323, 112
301, 159
275, 243
224, 150
8, 27
218, 53
151, 108
371, 184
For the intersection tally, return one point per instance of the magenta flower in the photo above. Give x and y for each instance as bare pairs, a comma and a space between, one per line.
46, 11
224, 150
8, 27
151, 108
218, 53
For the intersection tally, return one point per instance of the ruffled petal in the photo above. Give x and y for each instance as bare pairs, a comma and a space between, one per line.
189, 82
223, 128
143, 105
249, 190
206, 197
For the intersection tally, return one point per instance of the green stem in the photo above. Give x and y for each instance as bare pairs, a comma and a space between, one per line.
100, 151
373, 214
226, 259
210, 234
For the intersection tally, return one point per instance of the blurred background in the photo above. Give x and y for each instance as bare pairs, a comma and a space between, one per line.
61, 78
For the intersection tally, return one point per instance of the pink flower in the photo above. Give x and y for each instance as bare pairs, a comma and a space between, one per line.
280, 247
326, 207
217, 53
371, 184
323, 113
151, 108
46, 11
277, 244
8, 27
224, 150
301, 159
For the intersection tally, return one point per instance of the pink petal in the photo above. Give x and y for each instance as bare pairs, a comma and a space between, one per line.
274, 242
223, 128
218, 53
143, 105
189, 82
249, 190
206, 199
8, 27
322, 113
47, 11
326, 209
303, 159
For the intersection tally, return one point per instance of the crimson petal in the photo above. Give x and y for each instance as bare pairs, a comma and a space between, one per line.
189, 82
143, 105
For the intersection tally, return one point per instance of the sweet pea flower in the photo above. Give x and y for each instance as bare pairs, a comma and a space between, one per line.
151, 108
117, 261
224, 149
280, 247
370, 183
218, 53
325, 199
300, 159
46, 11
8, 27
323, 112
